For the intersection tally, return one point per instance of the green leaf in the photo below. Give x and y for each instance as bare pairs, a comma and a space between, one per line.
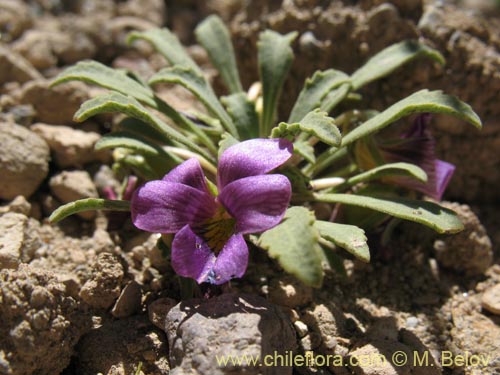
391, 58
348, 237
315, 89
316, 123
335, 97
275, 59
101, 75
168, 45
243, 114
98, 74
141, 128
421, 101
227, 140
213, 35
304, 149
198, 85
116, 102
88, 204
392, 169
441, 219
294, 244
133, 142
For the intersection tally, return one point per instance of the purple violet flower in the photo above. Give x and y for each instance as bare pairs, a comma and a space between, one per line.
418, 146
208, 245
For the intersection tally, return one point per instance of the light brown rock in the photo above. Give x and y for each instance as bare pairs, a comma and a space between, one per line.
18, 205
69, 186
19, 239
15, 68
24, 161
56, 105
71, 147
129, 301
15, 17
491, 299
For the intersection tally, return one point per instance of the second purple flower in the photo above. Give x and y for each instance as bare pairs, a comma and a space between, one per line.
209, 245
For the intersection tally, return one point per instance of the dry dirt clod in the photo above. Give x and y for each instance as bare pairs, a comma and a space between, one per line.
200, 330
71, 147
288, 291
69, 186
24, 161
104, 287
469, 251
117, 347
158, 310
40, 324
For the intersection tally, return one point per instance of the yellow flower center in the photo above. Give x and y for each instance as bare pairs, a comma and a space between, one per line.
217, 230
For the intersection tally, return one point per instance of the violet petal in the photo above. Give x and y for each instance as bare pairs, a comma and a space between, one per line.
258, 203
165, 207
251, 158
191, 256
188, 173
443, 174
231, 262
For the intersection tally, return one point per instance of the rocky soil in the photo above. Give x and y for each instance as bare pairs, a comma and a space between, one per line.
79, 298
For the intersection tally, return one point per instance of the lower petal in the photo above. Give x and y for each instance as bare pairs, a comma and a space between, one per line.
191, 256
231, 262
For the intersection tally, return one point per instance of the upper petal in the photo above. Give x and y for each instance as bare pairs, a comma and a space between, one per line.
251, 158
191, 256
231, 262
188, 173
166, 207
258, 203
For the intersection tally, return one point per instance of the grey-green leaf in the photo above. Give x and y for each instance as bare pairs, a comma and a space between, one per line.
213, 35
441, 219
275, 58
335, 96
244, 115
316, 123
348, 237
198, 85
304, 149
116, 102
391, 58
168, 45
132, 142
294, 244
98, 74
421, 101
315, 89
392, 169
227, 140
89, 204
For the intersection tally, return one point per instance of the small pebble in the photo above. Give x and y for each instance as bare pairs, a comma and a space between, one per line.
412, 322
